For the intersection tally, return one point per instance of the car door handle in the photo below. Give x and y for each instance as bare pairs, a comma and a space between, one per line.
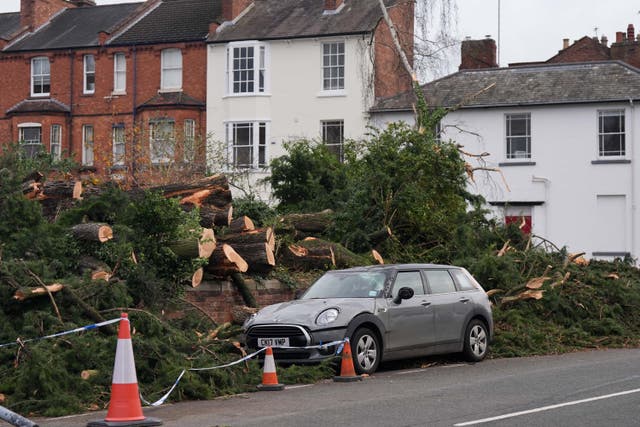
425, 303
464, 299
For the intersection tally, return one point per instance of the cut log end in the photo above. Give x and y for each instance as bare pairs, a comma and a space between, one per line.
376, 256
196, 279
207, 243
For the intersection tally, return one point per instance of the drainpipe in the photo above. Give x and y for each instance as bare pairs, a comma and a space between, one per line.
634, 163
133, 114
70, 120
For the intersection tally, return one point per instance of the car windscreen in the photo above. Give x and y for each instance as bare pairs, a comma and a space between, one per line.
347, 285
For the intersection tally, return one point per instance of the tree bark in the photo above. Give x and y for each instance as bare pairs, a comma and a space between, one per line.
241, 224
217, 197
243, 289
92, 231
201, 247
61, 190
260, 235
306, 259
317, 222
343, 257
259, 256
31, 189
225, 261
23, 294
211, 216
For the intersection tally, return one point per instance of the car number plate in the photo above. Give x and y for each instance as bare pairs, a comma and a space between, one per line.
273, 342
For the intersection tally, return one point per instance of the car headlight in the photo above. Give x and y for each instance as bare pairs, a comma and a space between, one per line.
327, 316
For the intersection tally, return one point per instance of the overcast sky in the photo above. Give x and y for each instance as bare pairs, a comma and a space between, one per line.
530, 30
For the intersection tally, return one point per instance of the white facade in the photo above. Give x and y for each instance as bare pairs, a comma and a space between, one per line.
575, 197
290, 103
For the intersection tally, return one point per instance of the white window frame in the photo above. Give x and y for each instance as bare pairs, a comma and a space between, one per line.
42, 78
34, 145
336, 148
167, 67
119, 73
55, 141
118, 139
167, 139
89, 74
189, 141
257, 73
88, 144
622, 151
510, 153
257, 149
334, 83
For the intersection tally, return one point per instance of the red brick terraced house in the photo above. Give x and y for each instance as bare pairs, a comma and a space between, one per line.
119, 88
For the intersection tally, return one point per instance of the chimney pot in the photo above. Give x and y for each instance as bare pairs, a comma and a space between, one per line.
630, 32
565, 43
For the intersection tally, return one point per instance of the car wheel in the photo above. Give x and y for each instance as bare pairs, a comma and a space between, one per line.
366, 351
476, 341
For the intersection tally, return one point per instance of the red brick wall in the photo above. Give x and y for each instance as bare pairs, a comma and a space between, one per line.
584, 50
35, 13
101, 109
476, 54
627, 51
391, 78
218, 298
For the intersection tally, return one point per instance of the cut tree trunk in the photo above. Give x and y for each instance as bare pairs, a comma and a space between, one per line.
241, 224
23, 294
92, 231
317, 222
377, 257
225, 261
201, 247
343, 257
306, 259
260, 235
196, 278
31, 189
211, 216
219, 197
61, 190
259, 256
241, 286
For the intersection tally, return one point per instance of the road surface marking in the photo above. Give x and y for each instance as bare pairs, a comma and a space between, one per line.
546, 408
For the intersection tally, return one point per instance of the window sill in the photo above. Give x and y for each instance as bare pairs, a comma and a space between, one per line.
503, 164
247, 95
40, 95
610, 162
170, 90
88, 93
331, 93
114, 93
612, 254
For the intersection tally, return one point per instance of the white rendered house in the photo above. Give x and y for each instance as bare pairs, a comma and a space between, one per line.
281, 70
566, 138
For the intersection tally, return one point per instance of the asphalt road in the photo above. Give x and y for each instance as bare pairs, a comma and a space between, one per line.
592, 388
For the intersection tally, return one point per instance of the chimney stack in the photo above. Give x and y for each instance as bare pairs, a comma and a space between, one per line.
232, 8
630, 32
619, 36
34, 13
332, 5
565, 43
477, 54
604, 40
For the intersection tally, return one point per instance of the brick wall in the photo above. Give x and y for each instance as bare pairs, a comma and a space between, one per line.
476, 54
218, 298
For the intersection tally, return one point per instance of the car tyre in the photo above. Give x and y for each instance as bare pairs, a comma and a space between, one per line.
476, 341
366, 351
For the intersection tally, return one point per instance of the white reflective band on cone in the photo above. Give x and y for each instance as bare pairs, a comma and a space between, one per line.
124, 371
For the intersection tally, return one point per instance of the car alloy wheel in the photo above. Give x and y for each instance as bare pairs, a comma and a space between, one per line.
366, 351
476, 341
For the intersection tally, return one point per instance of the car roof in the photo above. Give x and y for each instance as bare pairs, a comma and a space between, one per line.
395, 267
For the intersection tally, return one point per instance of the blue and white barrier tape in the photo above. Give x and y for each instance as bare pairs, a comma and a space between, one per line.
59, 334
247, 357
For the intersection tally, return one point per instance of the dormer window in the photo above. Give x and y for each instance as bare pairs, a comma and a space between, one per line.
40, 76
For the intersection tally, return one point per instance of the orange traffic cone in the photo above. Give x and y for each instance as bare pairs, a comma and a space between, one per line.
347, 371
269, 377
124, 408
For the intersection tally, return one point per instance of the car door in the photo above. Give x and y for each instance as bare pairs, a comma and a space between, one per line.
451, 309
410, 321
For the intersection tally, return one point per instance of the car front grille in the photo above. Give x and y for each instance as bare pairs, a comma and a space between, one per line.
298, 336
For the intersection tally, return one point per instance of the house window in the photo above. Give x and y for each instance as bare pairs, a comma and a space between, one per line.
162, 141
30, 139
189, 140
89, 74
333, 137
56, 142
247, 144
333, 66
518, 136
247, 68
40, 76
87, 145
118, 140
119, 73
171, 78
611, 133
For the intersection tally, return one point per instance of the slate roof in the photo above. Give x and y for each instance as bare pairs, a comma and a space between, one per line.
283, 19
39, 106
172, 21
9, 23
76, 27
172, 99
546, 84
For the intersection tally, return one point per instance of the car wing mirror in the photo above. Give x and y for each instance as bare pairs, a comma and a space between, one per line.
298, 293
403, 293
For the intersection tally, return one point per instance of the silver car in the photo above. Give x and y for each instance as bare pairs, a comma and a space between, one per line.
388, 312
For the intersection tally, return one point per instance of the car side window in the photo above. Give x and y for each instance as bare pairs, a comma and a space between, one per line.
440, 281
462, 280
409, 279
